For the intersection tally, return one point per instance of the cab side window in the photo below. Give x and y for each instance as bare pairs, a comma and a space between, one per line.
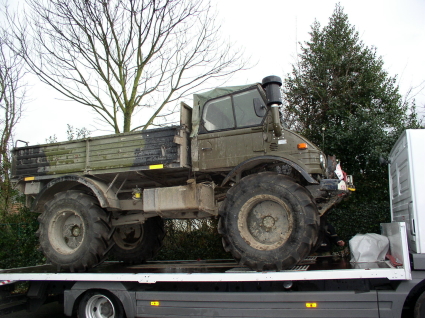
245, 109
238, 110
218, 114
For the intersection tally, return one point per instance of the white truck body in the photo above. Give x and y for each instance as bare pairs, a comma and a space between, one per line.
407, 184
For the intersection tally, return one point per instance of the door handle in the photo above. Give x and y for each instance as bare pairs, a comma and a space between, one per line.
207, 148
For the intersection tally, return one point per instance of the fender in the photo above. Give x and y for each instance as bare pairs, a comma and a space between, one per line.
119, 289
105, 194
252, 162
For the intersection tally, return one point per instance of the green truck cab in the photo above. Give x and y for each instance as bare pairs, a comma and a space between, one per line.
230, 158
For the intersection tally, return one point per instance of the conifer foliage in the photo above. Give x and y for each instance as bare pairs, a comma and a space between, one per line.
340, 96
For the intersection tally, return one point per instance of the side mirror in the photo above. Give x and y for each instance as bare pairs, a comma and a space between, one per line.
259, 107
384, 161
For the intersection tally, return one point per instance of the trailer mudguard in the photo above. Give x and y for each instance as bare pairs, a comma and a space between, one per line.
253, 162
104, 193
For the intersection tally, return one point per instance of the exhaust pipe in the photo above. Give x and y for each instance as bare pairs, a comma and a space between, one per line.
272, 86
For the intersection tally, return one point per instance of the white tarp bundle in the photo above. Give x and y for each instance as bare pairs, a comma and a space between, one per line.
369, 247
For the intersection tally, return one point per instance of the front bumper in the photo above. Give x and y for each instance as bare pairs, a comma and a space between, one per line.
338, 185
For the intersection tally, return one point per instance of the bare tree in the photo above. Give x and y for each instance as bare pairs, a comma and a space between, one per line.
119, 56
409, 101
12, 98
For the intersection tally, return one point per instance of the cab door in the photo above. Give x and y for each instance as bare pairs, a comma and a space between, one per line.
231, 130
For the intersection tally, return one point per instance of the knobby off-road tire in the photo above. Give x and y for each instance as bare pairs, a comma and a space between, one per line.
74, 231
320, 236
100, 304
268, 222
137, 243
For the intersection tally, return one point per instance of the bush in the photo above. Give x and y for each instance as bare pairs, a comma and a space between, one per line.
363, 218
18, 242
192, 240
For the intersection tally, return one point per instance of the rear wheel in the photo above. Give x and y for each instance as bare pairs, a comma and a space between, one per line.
137, 243
268, 222
74, 231
100, 304
419, 310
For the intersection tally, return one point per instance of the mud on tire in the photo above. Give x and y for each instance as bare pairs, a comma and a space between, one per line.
74, 231
137, 243
268, 222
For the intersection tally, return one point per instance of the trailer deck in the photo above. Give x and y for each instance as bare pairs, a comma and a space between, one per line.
211, 271
189, 288
311, 268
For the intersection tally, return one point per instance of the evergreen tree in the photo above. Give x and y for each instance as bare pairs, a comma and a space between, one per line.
340, 97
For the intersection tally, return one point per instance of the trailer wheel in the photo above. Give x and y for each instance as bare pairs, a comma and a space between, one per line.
419, 310
137, 243
74, 231
268, 222
100, 304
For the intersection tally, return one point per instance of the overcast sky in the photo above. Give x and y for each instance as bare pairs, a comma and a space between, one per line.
268, 31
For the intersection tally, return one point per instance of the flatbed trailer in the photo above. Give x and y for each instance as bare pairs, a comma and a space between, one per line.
311, 268
317, 287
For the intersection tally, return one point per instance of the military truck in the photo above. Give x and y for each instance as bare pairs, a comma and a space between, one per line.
231, 157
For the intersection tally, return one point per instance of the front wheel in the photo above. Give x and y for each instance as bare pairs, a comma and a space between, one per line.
100, 304
268, 222
74, 231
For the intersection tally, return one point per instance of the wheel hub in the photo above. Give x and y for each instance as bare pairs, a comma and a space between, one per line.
99, 306
265, 222
128, 236
66, 232
106, 309
76, 231
268, 223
